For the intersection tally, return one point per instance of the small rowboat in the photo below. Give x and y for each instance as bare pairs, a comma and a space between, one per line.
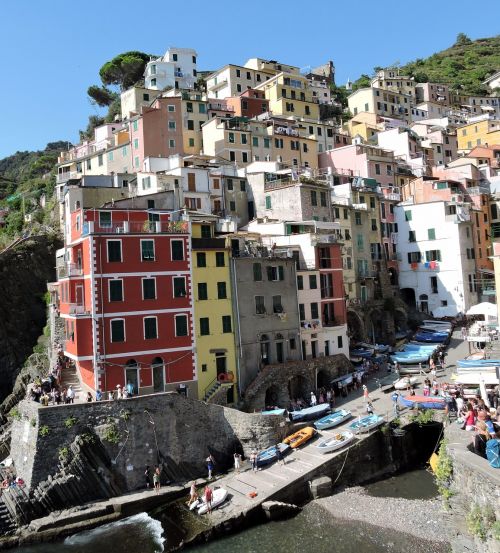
219, 496
270, 454
273, 412
365, 424
301, 437
410, 357
431, 337
405, 382
334, 419
338, 441
478, 363
424, 402
309, 413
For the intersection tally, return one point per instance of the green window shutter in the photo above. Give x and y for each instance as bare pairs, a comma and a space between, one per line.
438, 255
408, 215
268, 202
431, 234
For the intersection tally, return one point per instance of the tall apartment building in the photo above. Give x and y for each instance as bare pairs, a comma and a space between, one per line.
175, 69
124, 287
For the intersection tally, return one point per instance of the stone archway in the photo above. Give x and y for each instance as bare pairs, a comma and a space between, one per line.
375, 325
355, 326
408, 296
275, 396
323, 379
298, 387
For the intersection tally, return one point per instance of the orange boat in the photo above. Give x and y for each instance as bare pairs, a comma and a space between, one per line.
301, 437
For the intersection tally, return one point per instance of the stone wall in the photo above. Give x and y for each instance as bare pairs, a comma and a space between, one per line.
165, 429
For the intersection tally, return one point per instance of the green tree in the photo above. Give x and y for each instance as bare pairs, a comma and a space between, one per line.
94, 121
124, 70
363, 82
462, 40
101, 95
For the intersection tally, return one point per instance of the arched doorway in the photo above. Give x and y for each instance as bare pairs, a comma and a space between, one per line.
264, 350
424, 303
323, 379
272, 398
298, 387
393, 276
355, 326
408, 296
376, 329
158, 369
132, 374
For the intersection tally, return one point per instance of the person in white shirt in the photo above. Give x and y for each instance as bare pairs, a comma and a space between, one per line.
70, 394
314, 401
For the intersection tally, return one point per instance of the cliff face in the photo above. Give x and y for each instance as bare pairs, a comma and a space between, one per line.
24, 273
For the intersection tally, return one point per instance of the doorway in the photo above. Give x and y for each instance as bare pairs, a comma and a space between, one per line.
220, 363
132, 375
158, 375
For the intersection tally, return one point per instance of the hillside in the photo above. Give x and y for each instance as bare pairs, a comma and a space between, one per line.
464, 65
27, 175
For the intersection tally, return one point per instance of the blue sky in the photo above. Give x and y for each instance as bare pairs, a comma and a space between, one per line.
51, 51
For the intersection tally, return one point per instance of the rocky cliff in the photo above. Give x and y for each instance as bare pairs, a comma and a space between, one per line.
24, 273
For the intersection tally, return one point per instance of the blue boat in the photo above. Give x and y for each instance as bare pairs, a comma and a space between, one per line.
478, 363
334, 419
431, 337
410, 358
419, 347
365, 424
423, 402
269, 455
273, 412
310, 413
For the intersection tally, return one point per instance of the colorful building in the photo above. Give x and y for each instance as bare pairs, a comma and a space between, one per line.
124, 279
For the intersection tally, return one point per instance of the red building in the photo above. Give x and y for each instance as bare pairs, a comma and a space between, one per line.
125, 295
250, 103
329, 263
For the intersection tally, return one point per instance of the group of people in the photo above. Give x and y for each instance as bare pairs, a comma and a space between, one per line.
156, 478
476, 416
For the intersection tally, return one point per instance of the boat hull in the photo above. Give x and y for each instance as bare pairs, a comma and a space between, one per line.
423, 402
309, 413
296, 439
430, 337
478, 362
335, 443
330, 421
365, 424
218, 497
410, 359
403, 383
270, 455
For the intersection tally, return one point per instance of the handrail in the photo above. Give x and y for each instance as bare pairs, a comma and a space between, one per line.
205, 391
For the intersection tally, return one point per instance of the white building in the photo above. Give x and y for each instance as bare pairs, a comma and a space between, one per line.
493, 81
436, 255
176, 69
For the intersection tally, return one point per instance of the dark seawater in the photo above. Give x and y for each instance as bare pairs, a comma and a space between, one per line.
312, 529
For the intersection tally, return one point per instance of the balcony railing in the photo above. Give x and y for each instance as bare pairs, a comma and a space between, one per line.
69, 270
77, 309
147, 227
477, 190
63, 177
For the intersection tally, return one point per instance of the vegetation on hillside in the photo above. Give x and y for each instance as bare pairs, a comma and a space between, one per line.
464, 66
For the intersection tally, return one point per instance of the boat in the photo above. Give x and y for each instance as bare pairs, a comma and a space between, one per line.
433, 330
431, 337
273, 412
301, 437
477, 368
424, 402
478, 362
419, 347
405, 382
365, 424
333, 419
309, 413
430, 322
361, 352
410, 357
411, 369
355, 360
476, 377
218, 497
269, 455
336, 442
378, 348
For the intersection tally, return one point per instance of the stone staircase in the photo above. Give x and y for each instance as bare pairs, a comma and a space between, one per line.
7, 524
70, 377
213, 393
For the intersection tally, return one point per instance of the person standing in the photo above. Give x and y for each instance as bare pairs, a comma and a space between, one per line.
147, 477
366, 396
156, 480
369, 408
395, 398
193, 494
279, 455
208, 498
70, 395
253, 460
210, 466
314, 401
237, 462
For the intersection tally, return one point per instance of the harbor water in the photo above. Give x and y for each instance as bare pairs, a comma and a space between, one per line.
312, 528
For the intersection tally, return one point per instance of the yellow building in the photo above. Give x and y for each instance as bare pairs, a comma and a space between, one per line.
364, 124
213, 315
486, 131
194, 110
382, 102
289, 94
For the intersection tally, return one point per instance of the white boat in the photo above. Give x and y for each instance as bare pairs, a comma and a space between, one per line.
219, 496
476, 377
405, 382
430, 322
336, 442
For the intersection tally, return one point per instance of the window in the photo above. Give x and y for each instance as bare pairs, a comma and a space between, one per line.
377, 168
147, 250
171, 143
277, 307
118, 330
170, 107
220, 259
202, 291
412, 236
408, 215
434, 284
314, 311
300, 282
268, 202
302, 312
267, 142
230, 138
275, 273
242, 186
414, 257
148, 288
322, 198
314, 199
105, 219
374, 224
221, 290
433, 255
190, 125
226, 324
179, 287
181, 325
257, 272
203, 368
243, 138
116, 290
255, 141
114, 250
206, 231
150, 328
100, 160
357, 218
171, 125
201, 259
431, 234
204, 326
244, 157
313, 282
189, 107
260, 306
177, 250
136, 143
339, 342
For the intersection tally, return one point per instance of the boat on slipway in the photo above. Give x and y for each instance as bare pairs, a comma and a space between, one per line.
336, 442
464, 363
219, 495
269, 455
365, 424
423, 402
309, 413
410, 358
333, 419
301, 437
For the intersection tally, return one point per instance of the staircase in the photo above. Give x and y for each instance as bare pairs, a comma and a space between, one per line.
70, 377
215, 387
7, 525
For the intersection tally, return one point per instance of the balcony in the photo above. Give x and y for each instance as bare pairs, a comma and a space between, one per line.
325, 239
220, 106
147, 227
208, 243
360, 207
66, 176
478, 190
77, 309
69, 270
313, 324
393, 196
